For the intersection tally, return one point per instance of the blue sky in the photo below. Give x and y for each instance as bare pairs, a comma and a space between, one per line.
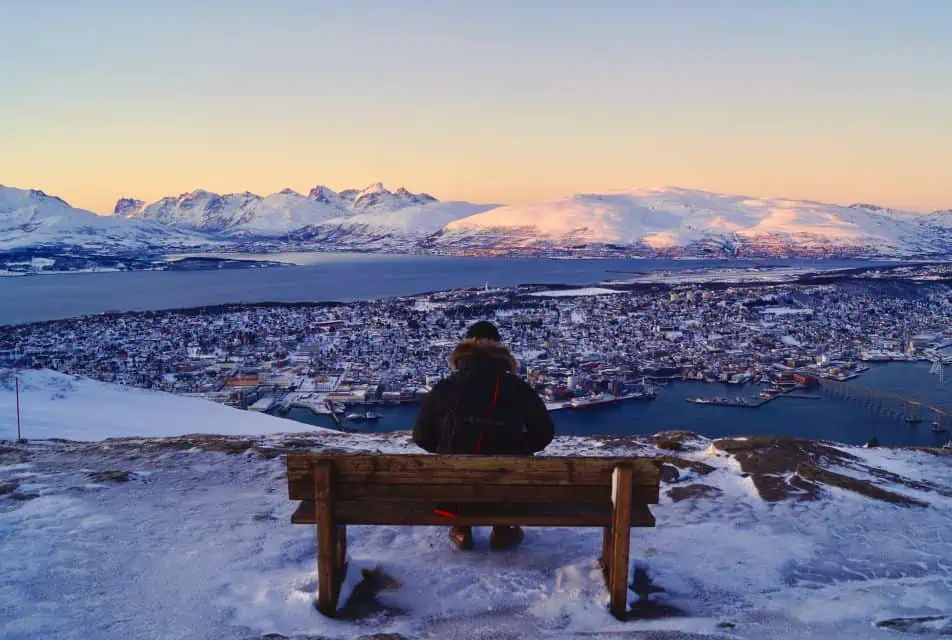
490, 101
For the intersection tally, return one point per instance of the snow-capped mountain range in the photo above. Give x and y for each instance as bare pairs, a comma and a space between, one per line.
31, 218
667, 221
373, 210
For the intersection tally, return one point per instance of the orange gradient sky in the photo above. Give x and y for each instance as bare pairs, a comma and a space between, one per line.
481, 101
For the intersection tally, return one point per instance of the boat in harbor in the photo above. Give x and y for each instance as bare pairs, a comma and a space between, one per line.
590, 402
937, 427
738, 401
371, 415
356, 417
714, 400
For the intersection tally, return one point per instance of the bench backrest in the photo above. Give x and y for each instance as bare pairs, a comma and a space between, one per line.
463, 478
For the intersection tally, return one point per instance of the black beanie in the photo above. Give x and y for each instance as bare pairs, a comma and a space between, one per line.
484, 330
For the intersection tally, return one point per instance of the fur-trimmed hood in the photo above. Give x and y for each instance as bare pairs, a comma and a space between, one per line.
480, 347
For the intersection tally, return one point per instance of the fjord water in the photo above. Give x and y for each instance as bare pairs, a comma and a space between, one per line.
846, 421
320, 277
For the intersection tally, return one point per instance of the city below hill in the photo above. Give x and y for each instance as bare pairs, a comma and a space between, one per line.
663, 222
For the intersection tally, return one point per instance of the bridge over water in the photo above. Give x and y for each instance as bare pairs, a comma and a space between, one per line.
903, 408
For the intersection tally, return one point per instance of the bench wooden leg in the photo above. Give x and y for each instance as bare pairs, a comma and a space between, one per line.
620, 539
605, 561
327, 581
340, 559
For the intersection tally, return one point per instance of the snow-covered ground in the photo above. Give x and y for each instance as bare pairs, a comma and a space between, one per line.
56, 405
787, 311
568, 293
196, 543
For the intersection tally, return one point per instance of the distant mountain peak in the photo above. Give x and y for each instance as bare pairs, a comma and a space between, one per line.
42, 195
197, 194
418, 198
376, 187
320, 193
128, 206
378, 197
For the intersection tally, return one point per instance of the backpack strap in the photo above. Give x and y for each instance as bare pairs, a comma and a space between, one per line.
492, 407
444, 510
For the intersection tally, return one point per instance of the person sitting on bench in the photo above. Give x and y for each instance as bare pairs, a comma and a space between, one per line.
483, 408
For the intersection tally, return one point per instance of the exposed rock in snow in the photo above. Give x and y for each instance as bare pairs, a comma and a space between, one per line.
128, 207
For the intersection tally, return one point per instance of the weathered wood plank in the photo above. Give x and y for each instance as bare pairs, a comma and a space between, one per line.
621, 532
479, 514
605, 560
483, 470
404, 513
488, 493
340, 559
326, 540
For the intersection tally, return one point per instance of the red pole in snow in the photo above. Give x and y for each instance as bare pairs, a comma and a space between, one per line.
18, 408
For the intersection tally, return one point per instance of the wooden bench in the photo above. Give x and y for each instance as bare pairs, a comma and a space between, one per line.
337, 490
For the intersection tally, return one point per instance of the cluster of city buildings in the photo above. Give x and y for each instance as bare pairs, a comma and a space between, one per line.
575, 348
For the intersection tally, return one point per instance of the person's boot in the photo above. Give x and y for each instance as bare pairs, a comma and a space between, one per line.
505, 537
462, 538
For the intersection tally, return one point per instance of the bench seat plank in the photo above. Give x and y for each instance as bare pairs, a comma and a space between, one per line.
454, 469
529, 515
420, 492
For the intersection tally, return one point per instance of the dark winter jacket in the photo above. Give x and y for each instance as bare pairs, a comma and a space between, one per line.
483, 407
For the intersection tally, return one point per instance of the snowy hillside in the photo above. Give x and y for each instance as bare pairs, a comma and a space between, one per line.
410, 222
941, 218
672, 218
31, 218
190, 538
56, 405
